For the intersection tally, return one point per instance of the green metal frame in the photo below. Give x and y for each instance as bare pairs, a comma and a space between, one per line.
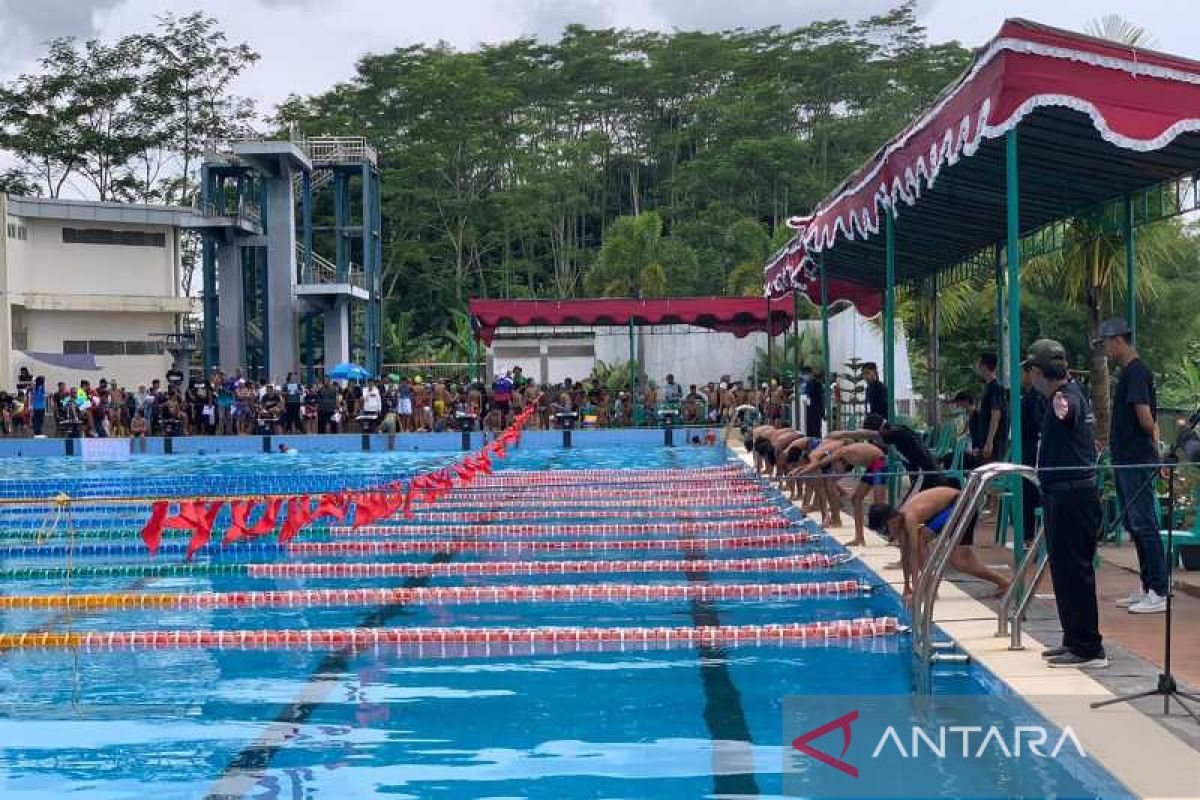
1013, 251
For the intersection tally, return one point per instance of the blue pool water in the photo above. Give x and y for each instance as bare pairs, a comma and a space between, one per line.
294, 724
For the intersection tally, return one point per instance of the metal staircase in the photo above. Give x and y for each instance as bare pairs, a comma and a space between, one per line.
925, 650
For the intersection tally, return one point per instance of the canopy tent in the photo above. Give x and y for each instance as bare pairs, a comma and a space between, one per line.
737, 315
794, 270
1044, 125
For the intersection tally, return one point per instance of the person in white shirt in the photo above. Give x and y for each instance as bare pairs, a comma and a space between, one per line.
372, 400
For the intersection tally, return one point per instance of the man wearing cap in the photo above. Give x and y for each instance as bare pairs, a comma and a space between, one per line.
1133, 442
1067, 472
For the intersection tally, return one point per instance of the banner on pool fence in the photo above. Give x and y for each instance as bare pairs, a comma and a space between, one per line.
105, 449
963, 746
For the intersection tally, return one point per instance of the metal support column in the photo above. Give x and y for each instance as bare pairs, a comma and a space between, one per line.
998, 276
935, 354
368, 264
826, 367
341, 219
1130, 269
1012, 251
208, 256
377, 262
306, 234
770, 344
889, 338
797, 408
208, 276
632, 364
889, 314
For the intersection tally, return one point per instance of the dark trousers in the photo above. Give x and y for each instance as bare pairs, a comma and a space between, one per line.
291, 419
323, 418
812, 420
1031, 498
1135, 491
1072, 530
39, 421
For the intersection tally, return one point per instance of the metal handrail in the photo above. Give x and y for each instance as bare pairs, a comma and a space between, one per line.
1006, 612
930, 578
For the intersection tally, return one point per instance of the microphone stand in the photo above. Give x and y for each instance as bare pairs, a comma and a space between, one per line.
1167, 687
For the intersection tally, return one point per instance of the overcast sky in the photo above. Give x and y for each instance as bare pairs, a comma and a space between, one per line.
307, 45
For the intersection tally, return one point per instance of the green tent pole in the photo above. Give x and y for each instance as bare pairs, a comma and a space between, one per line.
770, 344
1130, 270
632, 365
1012, 252
889, 316
889, 335
826, 366
796, 415
998, 272
474, 356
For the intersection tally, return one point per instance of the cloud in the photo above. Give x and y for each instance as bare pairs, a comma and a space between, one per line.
547, 18
25, 25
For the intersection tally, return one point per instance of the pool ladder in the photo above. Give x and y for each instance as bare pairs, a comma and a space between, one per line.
925, 649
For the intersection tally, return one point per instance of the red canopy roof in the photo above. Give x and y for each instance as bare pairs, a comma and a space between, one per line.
792, 269
736, 315
1140, 104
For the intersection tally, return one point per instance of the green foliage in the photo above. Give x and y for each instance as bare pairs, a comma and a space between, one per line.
806, 349
128, 117
507, 170
613, 377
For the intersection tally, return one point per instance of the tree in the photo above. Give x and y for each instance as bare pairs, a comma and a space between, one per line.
190, 71
636, 260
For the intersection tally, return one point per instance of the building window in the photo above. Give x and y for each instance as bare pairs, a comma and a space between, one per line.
17, 231
106, 236
111, 347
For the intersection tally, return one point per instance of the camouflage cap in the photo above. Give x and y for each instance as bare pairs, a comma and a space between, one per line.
1046, 352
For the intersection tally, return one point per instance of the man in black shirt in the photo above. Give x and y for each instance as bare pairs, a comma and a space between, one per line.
876, 390
993, 409
1071, 502
814, 411
1133, 441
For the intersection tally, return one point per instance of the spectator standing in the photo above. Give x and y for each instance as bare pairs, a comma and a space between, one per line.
876, 390
672, 391
993, 411
814, 412
37, 404
1133, 442
327, 405
293, 401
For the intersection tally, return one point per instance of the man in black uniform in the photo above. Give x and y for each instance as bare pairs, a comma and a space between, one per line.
1067, 472
876, 390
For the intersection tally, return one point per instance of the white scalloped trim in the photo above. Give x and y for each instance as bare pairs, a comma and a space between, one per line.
961, 141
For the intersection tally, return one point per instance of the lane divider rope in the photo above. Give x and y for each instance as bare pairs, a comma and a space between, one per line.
364, 638
440, 595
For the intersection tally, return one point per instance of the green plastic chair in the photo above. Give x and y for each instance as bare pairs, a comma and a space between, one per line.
1185, 536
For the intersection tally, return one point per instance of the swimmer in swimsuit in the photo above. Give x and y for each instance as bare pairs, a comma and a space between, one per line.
816, 470
917, 523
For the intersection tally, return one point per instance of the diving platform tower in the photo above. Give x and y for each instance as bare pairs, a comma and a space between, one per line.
266, 286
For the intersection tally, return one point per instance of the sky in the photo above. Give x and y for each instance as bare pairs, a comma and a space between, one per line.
308, 45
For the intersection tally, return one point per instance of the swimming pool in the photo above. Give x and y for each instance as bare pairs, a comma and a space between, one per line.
458, 720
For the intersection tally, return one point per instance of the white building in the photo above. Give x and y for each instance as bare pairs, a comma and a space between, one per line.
87, 289
691, 354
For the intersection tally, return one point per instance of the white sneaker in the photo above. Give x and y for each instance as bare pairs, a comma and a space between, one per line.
1135, 597
1152, 603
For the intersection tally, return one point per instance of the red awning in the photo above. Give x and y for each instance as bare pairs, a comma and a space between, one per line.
1137, 100
792, 269
736, 315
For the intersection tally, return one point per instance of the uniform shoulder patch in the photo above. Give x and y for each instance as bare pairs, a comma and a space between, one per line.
1062, 406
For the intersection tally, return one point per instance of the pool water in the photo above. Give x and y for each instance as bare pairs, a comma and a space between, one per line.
439, 723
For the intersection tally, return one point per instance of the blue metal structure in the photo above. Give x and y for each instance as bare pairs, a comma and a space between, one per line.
269, 279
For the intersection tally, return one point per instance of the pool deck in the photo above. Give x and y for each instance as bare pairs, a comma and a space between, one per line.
1153, 756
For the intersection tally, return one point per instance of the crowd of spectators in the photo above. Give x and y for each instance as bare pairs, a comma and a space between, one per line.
222, 404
